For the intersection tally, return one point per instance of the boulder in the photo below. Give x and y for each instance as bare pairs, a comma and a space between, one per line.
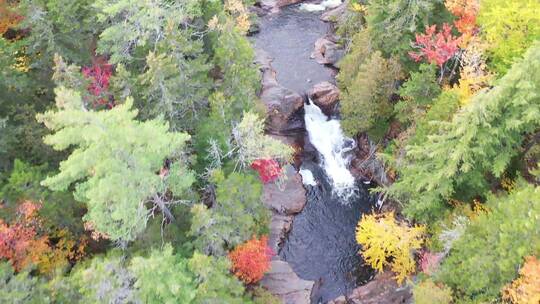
335, 14
289, 198
327, 51
281, 103
382, 290
282, 282
280, 225
325, 95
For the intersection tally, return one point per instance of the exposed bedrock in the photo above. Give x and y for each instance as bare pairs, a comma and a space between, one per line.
382, 290
281, 103
283, 282
326, 96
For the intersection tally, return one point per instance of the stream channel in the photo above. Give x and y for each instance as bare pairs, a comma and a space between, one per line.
321, 245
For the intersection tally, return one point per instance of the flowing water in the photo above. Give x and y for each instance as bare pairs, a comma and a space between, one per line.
327, 137
321, 245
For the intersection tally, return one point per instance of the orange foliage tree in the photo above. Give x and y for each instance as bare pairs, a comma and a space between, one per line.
22, 244
526, 288
466, 11
8, 18
19, 242
251, 260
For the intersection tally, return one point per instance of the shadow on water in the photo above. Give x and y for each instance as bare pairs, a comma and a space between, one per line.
289, 38
321, 245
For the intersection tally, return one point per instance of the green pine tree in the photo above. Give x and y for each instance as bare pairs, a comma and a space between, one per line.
114, 163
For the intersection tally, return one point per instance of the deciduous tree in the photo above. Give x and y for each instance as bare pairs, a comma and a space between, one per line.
436, 47
526, 288
510, 28
386, 242
251, 260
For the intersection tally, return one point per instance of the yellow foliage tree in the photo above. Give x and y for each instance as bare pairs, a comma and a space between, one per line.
474, 74
386, 242
237, 9
526, 288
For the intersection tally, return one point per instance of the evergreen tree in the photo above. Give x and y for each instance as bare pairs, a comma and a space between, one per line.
366, 103
236, 215
134, 28
174, 80
215, 284
240, 79
360, 50
492, 248
114, 163
482, 138
163, 277
58, 27
392, 23
104, 279
21, 288
417, 93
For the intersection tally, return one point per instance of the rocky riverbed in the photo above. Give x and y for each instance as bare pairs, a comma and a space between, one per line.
312, 229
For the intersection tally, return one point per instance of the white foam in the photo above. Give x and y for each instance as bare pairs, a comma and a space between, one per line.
327, 137
311, 7
331, 3
307, 177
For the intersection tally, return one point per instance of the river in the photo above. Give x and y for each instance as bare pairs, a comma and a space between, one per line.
321, 245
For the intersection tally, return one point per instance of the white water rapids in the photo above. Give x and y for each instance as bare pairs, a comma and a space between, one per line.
327, 137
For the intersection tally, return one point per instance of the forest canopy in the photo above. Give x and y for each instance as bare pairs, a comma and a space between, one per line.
135, 153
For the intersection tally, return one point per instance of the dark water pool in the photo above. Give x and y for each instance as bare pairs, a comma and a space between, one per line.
289, 37
321, 245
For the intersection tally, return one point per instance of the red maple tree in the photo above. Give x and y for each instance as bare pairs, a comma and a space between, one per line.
99, 75
251, 260
436, 47
268, 169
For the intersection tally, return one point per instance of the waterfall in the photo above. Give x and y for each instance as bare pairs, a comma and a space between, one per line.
327, 137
